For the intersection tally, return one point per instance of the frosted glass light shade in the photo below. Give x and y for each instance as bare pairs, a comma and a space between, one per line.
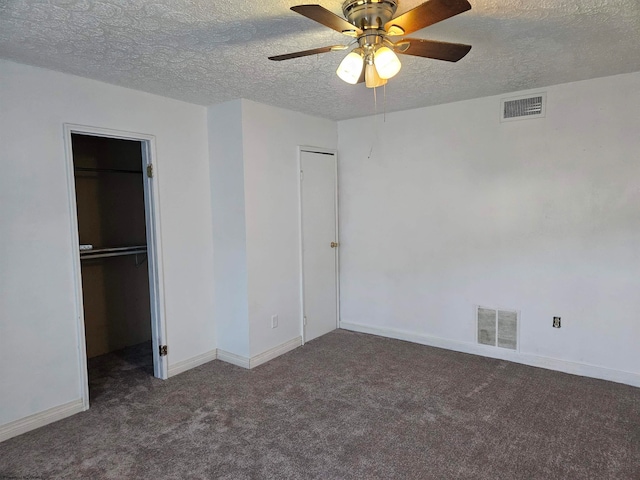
350, 68
372, 78
387, 62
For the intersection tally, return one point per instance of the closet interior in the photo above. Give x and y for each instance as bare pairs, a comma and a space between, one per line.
113, 247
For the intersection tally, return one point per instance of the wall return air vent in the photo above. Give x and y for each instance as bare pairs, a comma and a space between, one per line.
520, 108
498, 328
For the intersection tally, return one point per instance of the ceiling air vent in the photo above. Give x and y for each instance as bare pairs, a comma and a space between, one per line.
520, 108
498, 328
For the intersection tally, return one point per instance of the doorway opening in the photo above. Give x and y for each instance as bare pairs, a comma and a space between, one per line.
120, 328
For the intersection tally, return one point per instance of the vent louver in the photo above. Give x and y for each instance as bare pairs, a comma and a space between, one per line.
498, 328
531, 106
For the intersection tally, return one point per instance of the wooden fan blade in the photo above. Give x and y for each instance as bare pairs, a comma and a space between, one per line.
305, 53
428, 13
328, 19
450, 52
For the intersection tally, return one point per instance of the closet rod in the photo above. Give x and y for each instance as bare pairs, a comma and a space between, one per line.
112, 252
107, 170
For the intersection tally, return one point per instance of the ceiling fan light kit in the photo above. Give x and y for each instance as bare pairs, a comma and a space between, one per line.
387, 63
372, 79
372, 23
350, 69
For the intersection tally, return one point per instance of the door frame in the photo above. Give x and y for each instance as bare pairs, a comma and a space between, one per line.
334, 153
154, 247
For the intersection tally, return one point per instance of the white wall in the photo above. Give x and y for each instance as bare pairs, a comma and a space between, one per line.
254, 183
270, 140
455, 209
38, 337
229, 230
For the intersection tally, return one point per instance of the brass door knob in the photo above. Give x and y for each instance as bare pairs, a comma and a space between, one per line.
334, 245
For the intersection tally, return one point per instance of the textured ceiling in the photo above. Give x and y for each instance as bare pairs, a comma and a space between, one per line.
210, 51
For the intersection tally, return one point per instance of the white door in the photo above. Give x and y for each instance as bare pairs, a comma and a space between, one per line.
319, 243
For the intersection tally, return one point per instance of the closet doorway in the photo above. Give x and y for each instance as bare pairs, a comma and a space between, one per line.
111, 183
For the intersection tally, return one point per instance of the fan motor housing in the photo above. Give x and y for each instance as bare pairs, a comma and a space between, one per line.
369, 14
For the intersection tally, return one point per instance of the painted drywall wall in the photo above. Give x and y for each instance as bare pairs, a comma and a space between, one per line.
254, 193
271, 137
38, 334
454, 209
229, 229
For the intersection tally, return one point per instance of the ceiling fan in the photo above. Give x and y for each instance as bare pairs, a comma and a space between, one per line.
373, 26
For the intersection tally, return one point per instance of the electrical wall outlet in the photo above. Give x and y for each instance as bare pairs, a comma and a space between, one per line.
556, 322
274, 321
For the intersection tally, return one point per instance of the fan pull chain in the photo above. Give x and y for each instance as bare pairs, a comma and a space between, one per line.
384, 103
375, 101
375, 121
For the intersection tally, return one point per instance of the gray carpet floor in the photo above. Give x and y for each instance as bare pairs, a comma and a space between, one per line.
344, 406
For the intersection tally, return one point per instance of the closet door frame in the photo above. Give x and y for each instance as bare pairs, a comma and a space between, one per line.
334, 154
154, 247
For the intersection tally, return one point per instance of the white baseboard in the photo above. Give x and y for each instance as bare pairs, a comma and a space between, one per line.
275, 352
37, 420
54, 414
192, 362
576, 368
234, 359
261, 358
